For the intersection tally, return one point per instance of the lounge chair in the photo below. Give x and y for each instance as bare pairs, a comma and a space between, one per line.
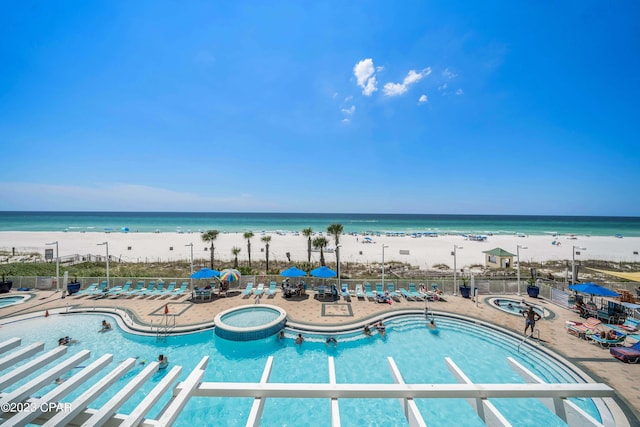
139, 288
405, 294
345, 293
259, 290
181, 290
379, 290
583, 329
248, 290
630, 326
368, 292
414, 293
150, 288
168, 291
359, 292
157, 291
99, 290
627, 354
115, 292
606, 343
392, 291
321, 291
273, 289
90, 289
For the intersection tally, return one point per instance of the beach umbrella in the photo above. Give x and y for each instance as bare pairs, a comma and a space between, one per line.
230, 275
293, 271
205, 273
593, 289
323, 272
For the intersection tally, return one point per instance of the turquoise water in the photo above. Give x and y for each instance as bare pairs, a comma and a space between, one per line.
252, 316
256, 222
511, 306
480, 353
7, 301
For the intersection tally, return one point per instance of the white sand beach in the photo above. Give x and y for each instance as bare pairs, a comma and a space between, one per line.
424, 252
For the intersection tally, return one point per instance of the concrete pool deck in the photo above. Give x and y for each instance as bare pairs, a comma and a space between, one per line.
308, 310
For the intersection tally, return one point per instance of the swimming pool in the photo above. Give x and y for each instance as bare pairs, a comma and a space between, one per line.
480, 352
7, 301
250, 322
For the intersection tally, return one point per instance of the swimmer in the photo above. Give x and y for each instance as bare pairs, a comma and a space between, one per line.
106, 326
281, 335
163, 361
331, 340
382, 330
299, 339
367, 330
432, 324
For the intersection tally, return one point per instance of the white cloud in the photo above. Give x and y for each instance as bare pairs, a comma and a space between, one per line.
348, 98
379, 68
345, 120
442, 86
447, 74
335, 95
395, 89
423, 98
349, 110
364, 73
459, 92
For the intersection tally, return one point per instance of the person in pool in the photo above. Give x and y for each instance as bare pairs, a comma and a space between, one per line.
163, 361
106, 326
299, 339
432, 324
331, 340
382, 330
281, 335
367, 330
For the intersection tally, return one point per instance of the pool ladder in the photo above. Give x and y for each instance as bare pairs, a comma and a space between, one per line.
163, 330
536, 332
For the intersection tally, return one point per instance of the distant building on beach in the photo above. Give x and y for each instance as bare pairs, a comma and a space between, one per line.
498, 258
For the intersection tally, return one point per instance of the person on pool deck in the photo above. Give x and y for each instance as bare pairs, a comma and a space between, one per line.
299, 339
331, 340
611, 335
106, 326
531, 317
163, 361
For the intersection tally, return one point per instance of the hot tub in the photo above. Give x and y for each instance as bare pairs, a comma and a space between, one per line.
252, 322
513, 306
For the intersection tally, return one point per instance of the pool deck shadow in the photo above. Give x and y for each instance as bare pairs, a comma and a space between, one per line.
310, 311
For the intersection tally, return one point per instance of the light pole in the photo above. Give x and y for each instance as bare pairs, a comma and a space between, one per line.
191, 245
57, 265
338, 264
383, 246
518, 257
573, 262
106, 244
455, 268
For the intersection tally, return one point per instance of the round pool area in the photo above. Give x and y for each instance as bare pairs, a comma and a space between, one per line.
249, 323
514, 306
7, 301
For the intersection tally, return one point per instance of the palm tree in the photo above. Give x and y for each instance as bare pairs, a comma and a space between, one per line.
266, 240
235, 251
210, 236
320, 243
336, 230
307, 233
248, 235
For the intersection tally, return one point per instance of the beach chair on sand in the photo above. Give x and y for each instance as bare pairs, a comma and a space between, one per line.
405, 294
392, 291
248, 290
359, 291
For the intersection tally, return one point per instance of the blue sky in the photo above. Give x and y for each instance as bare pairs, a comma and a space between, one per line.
328, 106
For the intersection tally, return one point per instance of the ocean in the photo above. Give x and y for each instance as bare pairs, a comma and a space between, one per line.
287, 222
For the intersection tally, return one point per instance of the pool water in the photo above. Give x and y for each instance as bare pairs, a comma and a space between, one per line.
7, 301
252, 316
480, 352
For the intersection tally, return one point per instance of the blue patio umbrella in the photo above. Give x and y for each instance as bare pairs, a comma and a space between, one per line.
593, 289
323, 272
205, 273
293, 271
